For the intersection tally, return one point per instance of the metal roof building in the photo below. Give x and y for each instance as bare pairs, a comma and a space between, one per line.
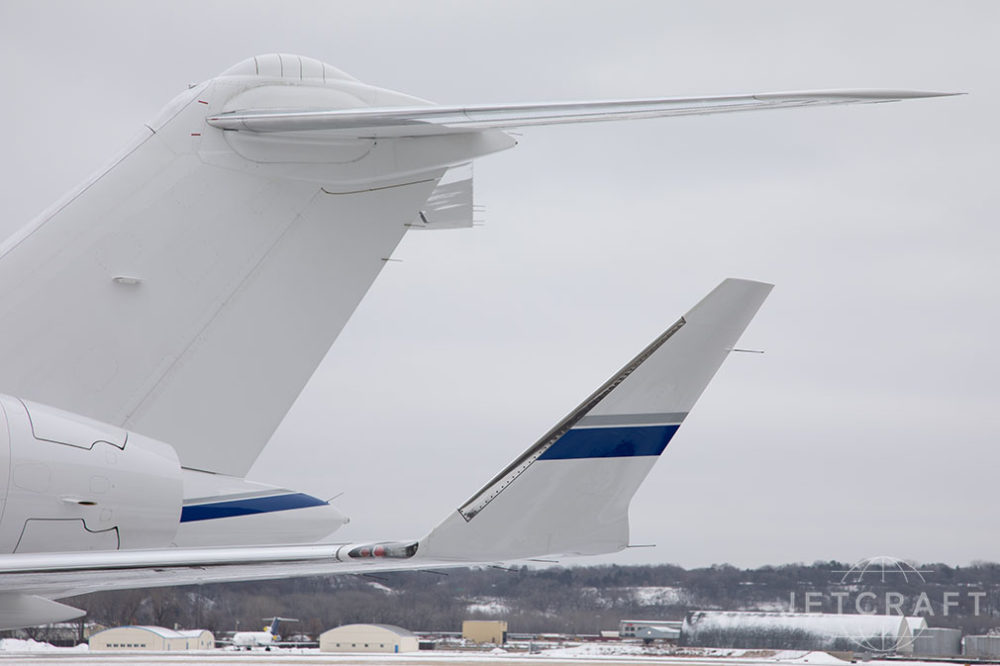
797, 631
981, 646
158, 639
368, 638
938, 642
485, 631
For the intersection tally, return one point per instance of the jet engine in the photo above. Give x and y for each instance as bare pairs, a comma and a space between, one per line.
69, 483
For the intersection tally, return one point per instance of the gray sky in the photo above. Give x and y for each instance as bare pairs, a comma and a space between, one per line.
871, 424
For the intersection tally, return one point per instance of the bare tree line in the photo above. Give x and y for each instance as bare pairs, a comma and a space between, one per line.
579, 600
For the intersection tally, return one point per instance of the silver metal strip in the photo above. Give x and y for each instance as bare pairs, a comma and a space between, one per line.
668, 418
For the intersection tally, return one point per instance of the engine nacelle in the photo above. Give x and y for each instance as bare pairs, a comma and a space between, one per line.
73, 483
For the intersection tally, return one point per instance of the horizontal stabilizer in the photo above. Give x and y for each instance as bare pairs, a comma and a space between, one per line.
569, 493
427, 120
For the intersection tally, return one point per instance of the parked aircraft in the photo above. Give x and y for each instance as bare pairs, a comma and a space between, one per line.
161, 319
266, 639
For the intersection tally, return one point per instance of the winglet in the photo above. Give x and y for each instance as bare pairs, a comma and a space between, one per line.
569, 493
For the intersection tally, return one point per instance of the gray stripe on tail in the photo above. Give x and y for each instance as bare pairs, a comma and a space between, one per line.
631, 419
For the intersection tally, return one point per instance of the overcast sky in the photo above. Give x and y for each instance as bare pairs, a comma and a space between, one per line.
871, 424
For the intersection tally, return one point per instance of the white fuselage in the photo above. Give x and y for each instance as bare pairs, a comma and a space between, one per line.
77, 484
250, 639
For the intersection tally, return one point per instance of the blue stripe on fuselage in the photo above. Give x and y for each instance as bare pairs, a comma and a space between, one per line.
616, 442
248, 506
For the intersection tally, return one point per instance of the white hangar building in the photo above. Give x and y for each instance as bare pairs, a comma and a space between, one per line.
800, 631
156, 639
368, 638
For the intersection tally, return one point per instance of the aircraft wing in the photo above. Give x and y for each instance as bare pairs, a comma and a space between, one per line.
59, 575
566, 495
30, 582
430, 120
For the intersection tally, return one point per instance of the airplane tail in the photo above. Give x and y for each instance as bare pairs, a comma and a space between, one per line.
275, 621
569, 493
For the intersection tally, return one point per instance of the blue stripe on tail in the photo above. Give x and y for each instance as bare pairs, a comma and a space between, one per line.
248, 506
619, 442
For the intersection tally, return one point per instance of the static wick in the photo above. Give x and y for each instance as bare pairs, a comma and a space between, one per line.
747, 351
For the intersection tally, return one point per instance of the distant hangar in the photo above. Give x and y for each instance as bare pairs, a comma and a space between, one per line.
158, 639
801, 631
368, 638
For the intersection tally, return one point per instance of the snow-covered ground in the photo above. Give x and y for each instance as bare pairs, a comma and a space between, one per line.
29, 645
15, 651
673, 655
